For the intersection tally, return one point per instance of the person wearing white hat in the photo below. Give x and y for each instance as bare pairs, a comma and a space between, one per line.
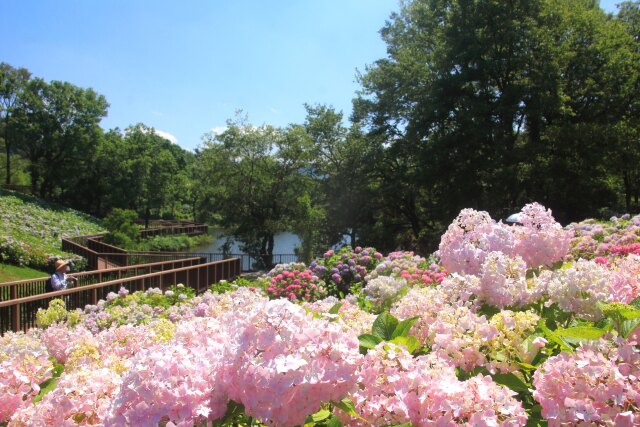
60, 279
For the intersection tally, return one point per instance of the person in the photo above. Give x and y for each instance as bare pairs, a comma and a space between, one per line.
60, 279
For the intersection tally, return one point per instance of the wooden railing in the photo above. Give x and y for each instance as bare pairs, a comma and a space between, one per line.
25, 288
95, 244
101, 255
20, 314
188, 229
247, 261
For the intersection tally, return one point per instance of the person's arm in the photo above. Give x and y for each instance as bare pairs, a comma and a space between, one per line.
58, 283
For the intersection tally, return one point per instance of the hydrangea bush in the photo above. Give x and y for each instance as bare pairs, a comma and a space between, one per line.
415, 269
296, 285
538, 239
31, 231
518, 330
345, 268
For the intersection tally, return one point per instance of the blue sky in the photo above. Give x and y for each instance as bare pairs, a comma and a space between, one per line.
185, 67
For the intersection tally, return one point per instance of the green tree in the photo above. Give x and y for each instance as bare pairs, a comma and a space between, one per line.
123, 231
491, 104
60, 126
584, 137
341, 163
13, 82
625, 158
250, 180
149, 168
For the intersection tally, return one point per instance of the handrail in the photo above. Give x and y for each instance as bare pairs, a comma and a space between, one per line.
111, 282
23, 288
199, 277
18, 312
96, 272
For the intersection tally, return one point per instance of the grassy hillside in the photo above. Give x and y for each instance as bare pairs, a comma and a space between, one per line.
31, 229
11, 273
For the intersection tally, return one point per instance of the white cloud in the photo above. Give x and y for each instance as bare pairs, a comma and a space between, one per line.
218, 130
274, 110
166, 135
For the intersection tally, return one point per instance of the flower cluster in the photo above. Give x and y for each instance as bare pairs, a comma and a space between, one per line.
296, 285
511, 344
281, 268
24, 365
81, 397
616, 237
139, 307
346, 267
425, 303
578, 287
394, 388
503, 281
177, 382
625, 280
413, 268
461, 335
469, 238
539, 240
56, 313
591, 386
384, 290
280, 350
350, 317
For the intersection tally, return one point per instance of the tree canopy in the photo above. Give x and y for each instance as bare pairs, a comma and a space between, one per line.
478, 103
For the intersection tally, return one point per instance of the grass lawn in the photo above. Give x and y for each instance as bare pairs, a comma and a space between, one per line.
11, 273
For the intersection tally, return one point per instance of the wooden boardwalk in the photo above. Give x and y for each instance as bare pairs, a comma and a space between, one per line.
113, 268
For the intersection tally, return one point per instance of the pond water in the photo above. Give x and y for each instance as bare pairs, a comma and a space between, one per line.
283, 243
283, 249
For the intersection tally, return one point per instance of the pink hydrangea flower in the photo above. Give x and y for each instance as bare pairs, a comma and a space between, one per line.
593, 385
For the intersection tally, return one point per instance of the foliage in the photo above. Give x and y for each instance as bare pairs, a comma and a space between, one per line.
251, 179
179, 243
31, 230
58, 123
491, 106
341, 169
13, 83
123, 231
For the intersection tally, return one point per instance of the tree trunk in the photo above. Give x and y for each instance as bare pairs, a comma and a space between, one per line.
8, 153
7, 148
627, 191
147, 214
267, 251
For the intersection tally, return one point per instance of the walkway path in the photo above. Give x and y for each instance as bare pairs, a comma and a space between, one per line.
112, 268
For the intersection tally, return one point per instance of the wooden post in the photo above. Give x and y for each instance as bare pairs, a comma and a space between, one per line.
15, 311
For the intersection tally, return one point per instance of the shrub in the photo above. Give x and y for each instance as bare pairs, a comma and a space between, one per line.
345, 268
296, 285
122, 228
